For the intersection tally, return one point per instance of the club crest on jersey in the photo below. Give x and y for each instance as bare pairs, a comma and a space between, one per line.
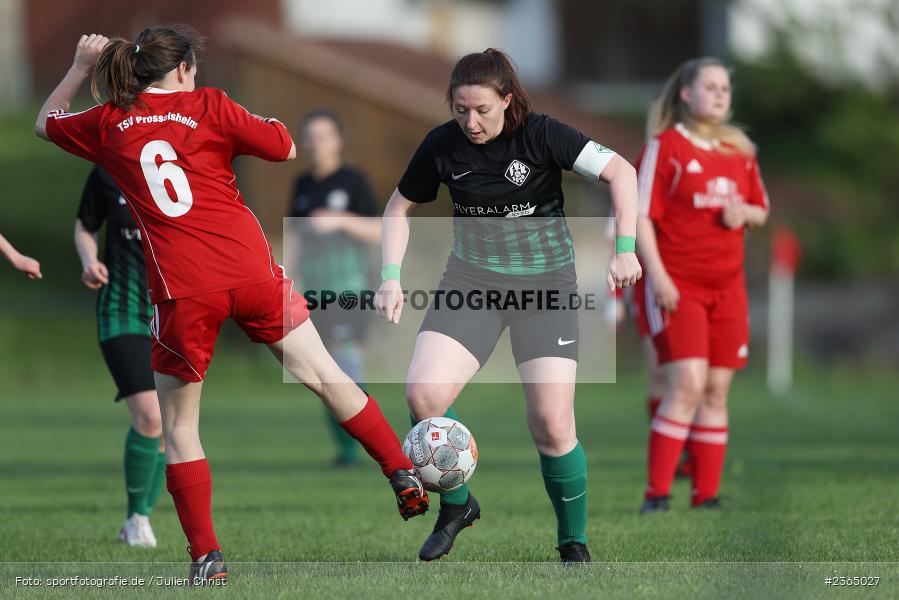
719, 191
517, 172
338, 199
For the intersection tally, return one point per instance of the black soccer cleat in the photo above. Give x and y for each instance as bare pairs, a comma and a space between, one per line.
574, 553
411, 497
652, 505
211, 569
711, 504
452, 519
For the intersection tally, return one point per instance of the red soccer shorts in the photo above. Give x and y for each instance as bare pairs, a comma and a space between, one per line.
638, 307
708, 323
185, 329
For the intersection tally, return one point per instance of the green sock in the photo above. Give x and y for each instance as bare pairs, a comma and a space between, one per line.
565, 478
458, 496
140, 465
347, 446
157, 482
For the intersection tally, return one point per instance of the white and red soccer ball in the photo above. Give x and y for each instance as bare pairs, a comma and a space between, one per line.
443, 453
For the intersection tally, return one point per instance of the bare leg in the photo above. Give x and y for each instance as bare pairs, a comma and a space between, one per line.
303, 354
440, 368
563, 464
708, 437
179, 405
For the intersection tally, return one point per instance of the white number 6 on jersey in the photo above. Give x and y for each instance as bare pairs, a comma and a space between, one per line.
156, 177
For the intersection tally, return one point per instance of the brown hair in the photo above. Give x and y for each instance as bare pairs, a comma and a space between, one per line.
321, 113
127, 68
669, 109
493, 68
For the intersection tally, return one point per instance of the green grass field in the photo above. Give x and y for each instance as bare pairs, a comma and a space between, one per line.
811, 479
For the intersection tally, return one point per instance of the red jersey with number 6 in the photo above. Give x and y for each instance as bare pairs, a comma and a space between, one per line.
171, 157
684, 183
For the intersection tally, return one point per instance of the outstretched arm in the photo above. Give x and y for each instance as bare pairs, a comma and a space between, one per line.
87, 53
20, 262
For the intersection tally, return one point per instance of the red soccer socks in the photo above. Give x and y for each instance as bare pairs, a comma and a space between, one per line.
706, 446
377, 437
666, 441
190, 485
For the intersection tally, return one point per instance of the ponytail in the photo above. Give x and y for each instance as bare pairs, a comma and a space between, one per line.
669, 109
125, 68
115, 73
493, 68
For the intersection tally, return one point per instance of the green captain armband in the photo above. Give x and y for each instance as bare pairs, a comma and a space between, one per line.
391, 271
625, 243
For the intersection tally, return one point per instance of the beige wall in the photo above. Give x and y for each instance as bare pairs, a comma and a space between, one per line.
380, 139
14, 81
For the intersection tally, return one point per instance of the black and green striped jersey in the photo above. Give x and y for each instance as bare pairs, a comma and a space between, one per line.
123, 305
333, 261
518, 177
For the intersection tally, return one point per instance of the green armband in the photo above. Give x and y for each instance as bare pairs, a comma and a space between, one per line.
391, 271
625, 243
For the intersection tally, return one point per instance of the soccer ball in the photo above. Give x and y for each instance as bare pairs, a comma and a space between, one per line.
443, 453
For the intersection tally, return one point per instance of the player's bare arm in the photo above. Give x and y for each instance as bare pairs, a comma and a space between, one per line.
364, 229
395, 237
94, 273
87, 53
741, 214
666, 292
20, 262
625, 269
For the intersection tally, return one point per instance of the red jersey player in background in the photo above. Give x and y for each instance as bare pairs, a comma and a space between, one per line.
169, 148
699, 188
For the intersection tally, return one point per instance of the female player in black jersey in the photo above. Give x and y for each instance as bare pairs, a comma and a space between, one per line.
500, 159
339, 224
123, 318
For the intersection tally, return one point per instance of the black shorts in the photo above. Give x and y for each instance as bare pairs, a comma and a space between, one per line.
538, 327
128, 360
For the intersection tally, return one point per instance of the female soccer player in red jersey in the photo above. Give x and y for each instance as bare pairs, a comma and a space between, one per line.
169, 147
699, 188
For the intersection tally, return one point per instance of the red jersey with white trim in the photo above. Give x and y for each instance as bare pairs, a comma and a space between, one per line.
683, 185
171, 157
